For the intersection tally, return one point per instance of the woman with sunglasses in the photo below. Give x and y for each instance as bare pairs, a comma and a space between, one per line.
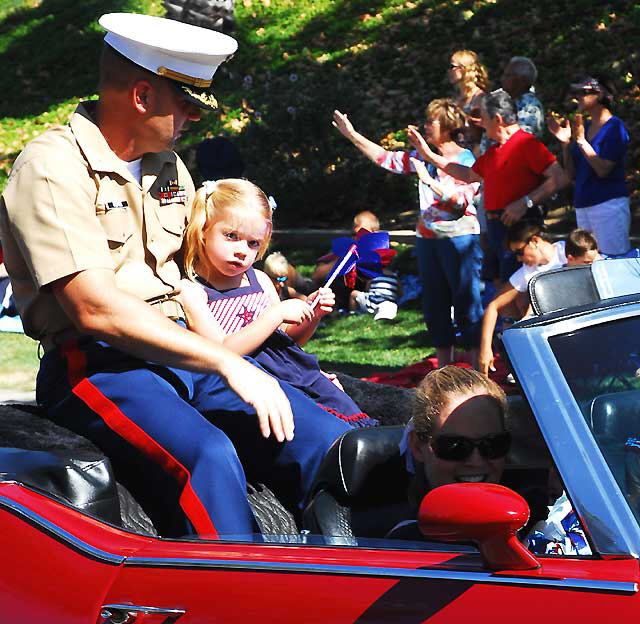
457, 435
527, 240
594, 155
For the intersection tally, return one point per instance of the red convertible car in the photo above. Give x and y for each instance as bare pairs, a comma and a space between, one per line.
577, 362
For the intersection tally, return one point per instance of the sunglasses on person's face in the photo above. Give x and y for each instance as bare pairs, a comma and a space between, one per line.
519, 253
282, 279
454, 66
459, 448
586, 92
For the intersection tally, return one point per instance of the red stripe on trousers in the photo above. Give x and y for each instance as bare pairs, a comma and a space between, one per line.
117, 421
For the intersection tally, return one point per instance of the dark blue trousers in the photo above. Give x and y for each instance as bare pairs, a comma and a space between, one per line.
181, 440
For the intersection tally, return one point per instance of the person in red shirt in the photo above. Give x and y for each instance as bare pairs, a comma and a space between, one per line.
519, 173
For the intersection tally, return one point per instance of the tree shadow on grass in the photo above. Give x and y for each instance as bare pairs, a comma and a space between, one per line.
50, 54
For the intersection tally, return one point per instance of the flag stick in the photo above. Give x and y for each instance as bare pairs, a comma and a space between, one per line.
335, 272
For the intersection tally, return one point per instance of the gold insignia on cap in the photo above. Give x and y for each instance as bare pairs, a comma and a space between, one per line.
190, 80
205, 98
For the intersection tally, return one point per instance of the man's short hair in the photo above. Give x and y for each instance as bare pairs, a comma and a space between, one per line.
500, 102
524, 68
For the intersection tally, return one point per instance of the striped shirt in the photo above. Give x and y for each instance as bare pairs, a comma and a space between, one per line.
236, 308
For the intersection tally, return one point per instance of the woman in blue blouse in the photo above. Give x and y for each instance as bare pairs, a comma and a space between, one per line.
594, 155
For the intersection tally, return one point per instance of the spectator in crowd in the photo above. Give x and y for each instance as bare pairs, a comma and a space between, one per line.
447, 232
380, 298
362, 220
594, 156
530, 244
519, 172
518, 81
471, 81
457, 434
365, 220
278, 269
581, 247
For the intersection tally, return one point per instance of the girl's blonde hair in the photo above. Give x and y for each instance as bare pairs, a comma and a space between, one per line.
231, 198
474, 73
447, 112
442, 385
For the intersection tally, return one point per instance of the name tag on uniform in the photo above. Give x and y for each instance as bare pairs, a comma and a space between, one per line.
173, 193
116, 205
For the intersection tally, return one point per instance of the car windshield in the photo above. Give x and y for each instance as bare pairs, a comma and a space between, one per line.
601, 364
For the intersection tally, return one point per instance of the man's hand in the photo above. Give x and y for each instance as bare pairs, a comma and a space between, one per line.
342, 123
295, 311
326, 301
514, 212
264, 393
559, 127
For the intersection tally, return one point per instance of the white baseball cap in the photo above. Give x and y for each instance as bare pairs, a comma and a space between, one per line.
186, 55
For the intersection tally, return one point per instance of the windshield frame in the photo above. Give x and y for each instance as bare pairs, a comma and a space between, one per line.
593, 489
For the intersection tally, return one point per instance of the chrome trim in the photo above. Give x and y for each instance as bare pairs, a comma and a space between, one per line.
618, 587
59, 533
129, 608
598, 500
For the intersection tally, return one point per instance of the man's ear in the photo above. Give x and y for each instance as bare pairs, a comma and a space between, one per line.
142, 96
499, 119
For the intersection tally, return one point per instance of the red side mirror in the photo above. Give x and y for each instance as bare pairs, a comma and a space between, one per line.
484, 513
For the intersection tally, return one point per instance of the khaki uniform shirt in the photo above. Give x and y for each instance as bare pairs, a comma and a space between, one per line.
70, 205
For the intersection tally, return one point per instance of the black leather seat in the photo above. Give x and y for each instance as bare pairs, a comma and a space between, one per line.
361, 487
562, 288
615, 419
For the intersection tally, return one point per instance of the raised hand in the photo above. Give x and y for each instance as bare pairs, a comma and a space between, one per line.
419, 142
559, 127
342, 123
577, 129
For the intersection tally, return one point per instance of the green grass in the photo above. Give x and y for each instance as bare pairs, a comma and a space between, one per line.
19, 362
359, 346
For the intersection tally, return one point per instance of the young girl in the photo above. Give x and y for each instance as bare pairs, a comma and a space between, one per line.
530, 245
229, 301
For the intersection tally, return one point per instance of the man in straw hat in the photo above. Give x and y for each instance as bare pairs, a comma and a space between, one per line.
92, 220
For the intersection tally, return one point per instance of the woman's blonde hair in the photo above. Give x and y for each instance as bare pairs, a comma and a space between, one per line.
231, 198
447, 112
275, 265
442, 385
474, 73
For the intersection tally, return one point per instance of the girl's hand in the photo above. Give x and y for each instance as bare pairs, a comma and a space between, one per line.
421, 170
485, 361
559, 127
577, 129
342, 123
295, 311
326, 301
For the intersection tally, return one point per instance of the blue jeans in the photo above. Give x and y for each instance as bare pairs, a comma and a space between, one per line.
450, 273
499, 262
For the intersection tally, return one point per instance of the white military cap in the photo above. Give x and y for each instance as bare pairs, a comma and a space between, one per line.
187, 55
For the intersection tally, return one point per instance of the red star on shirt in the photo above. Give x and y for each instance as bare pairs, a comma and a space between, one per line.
246, 316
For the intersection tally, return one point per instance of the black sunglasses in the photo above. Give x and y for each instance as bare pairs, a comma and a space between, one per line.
518, 253
459, 448
586, 91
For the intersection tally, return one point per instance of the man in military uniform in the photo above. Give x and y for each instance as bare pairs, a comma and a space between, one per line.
92, 220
